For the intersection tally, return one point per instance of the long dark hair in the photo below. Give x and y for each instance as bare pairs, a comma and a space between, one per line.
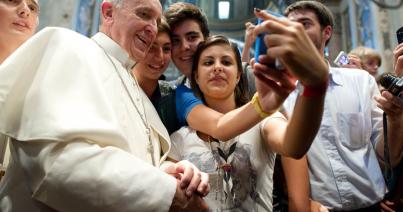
241, 89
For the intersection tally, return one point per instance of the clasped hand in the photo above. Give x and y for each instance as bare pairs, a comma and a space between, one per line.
192, 186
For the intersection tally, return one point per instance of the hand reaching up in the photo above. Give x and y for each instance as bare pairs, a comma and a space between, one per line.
288, 41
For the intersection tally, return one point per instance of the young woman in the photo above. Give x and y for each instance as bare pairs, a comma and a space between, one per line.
240, 169
18, 22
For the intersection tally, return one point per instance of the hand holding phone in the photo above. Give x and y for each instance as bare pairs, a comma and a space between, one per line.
399, 35
397, 54
260, 46
341, 59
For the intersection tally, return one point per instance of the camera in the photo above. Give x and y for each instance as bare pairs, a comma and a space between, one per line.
260, 46
399, 34
392, 83
341, 59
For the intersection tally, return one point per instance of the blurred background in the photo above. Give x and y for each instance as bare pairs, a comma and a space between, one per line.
371, 23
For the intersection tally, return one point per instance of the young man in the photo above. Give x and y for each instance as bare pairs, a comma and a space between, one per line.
343, 166
189, 28
84, 135
393, 107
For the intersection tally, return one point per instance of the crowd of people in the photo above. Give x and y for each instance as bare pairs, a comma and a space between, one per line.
89, 125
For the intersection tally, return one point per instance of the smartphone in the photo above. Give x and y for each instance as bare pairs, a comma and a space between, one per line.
260, 46
399, 34
341, 59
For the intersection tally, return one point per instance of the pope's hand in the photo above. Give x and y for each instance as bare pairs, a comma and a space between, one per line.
190, 178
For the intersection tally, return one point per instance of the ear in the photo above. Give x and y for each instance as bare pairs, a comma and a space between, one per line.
196, 77
238, 77
107, 10
327, 32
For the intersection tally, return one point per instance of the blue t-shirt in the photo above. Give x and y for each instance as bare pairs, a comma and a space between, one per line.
185, 101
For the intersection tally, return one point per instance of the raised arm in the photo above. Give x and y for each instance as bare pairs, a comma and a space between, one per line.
297, 179
353, 62
393, 107
291, 45
398, 60
249, 39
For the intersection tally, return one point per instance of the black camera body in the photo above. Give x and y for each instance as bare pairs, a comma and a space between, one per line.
399, 35
392, 83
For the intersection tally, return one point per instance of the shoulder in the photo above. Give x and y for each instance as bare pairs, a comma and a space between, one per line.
277, 116
351, 73
182, 134
273, 119
353, 77
185, 95
60, 37
183, 88
64, 46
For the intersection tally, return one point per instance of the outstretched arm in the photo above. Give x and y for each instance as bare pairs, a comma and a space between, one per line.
223, 126
206, 120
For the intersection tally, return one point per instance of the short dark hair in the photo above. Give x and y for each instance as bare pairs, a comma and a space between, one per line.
241, 89
324, 15
181, 11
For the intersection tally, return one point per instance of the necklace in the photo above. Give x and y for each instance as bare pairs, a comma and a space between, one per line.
150, 146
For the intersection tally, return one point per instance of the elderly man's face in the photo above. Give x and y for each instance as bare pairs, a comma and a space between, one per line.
134, 26
18, 20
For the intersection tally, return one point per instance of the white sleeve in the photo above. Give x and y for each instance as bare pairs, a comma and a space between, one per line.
376, 113
80, 176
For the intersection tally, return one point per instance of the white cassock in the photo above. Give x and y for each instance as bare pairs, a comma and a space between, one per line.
79, 142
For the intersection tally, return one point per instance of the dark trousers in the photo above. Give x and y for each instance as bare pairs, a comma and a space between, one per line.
373, 208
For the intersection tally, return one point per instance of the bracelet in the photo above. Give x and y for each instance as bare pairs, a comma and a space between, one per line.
258, 107
314, 90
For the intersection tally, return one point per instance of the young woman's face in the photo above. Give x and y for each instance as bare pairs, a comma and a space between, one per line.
157, 58
18, 20
217, 72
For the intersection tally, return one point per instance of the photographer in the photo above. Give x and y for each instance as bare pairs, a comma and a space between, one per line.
392, 105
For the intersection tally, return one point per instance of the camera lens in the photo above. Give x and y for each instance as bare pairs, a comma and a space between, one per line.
387, 80
392, 84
